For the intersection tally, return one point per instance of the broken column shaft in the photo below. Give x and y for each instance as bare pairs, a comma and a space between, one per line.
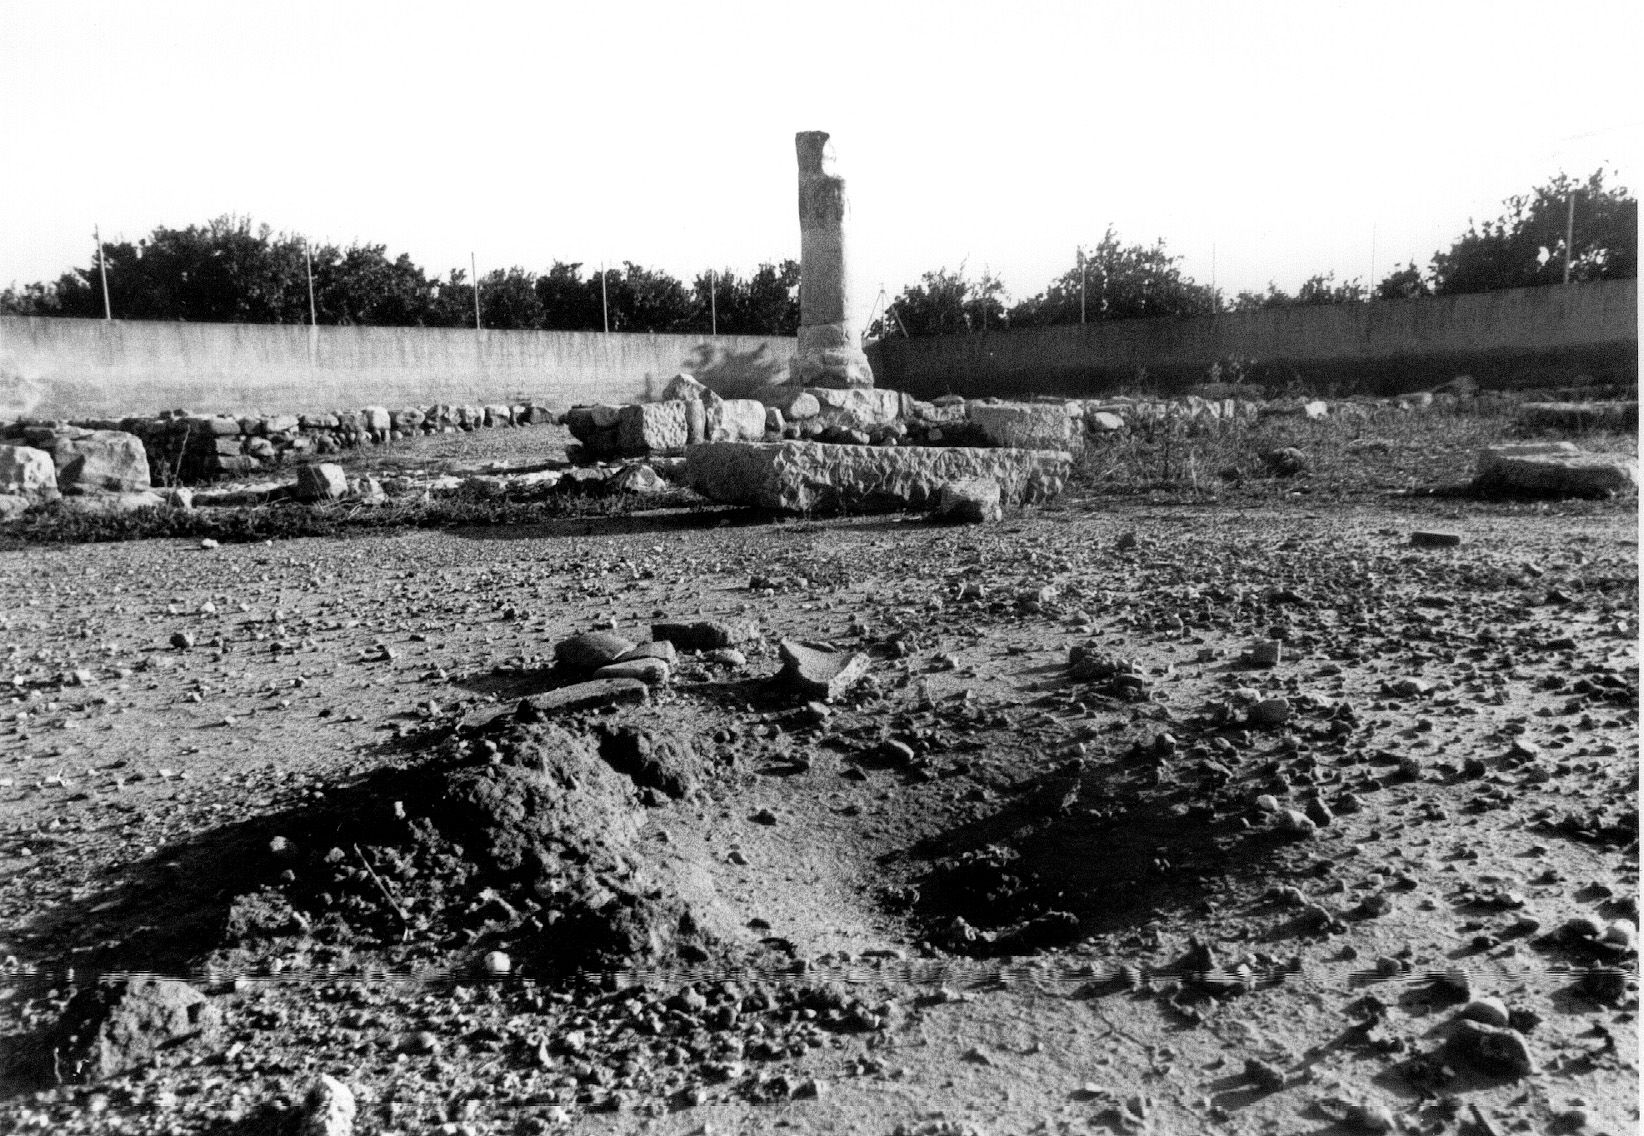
829, 352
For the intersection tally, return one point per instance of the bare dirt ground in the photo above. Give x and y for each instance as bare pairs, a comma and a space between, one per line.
983, 892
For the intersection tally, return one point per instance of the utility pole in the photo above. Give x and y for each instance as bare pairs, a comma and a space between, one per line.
1081, 283
102, 270
604, 300
474, 266
1569, 236
308, 256
713, 305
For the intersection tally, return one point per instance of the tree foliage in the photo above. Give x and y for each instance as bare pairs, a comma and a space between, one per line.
1320, 288
1403, 284
230, 271
1117, 281
1525, 246
945, 303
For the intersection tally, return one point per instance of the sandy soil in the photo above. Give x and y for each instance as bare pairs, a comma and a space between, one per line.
1137, 896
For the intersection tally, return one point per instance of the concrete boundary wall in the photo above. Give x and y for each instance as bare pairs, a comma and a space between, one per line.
1524, 337
70, 368
75, 368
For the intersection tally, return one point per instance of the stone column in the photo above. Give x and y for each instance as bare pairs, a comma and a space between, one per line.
829, 352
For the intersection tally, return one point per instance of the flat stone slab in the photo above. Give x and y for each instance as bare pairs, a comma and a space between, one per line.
1555, 468
1421, 539
593, 695
804, 477
651, 672
816, 673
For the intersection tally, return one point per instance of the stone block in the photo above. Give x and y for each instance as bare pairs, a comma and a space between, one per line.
683, 386
637, 479
696, 422
801, 477
321, 481
856, 408
114, 503
815, 673
596, 428
1555, 469
216, 425
735, 420
376, 419
1614, 415
102, 461
27, 472
237, 464
975, 499
652, 427
800, 407
1032, 426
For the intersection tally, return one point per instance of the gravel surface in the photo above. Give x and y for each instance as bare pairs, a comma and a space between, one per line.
1141, 820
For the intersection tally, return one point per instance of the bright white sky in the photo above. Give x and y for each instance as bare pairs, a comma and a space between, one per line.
1262, 140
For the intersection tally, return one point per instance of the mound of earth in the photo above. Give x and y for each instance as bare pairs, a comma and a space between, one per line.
528, 846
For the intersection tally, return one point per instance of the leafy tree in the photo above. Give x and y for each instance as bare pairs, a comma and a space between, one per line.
1119, 282
1402, 284
1274, 297
766, 303
647, 299
509, 301
946, 303
569, 303
453, 301
30, 300
1322, 288
1524, 247
360, 285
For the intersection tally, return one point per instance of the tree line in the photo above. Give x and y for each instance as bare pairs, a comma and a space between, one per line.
1523, 248
230, 271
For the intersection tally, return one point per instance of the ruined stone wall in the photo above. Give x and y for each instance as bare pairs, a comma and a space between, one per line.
1529, 337
73, 368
